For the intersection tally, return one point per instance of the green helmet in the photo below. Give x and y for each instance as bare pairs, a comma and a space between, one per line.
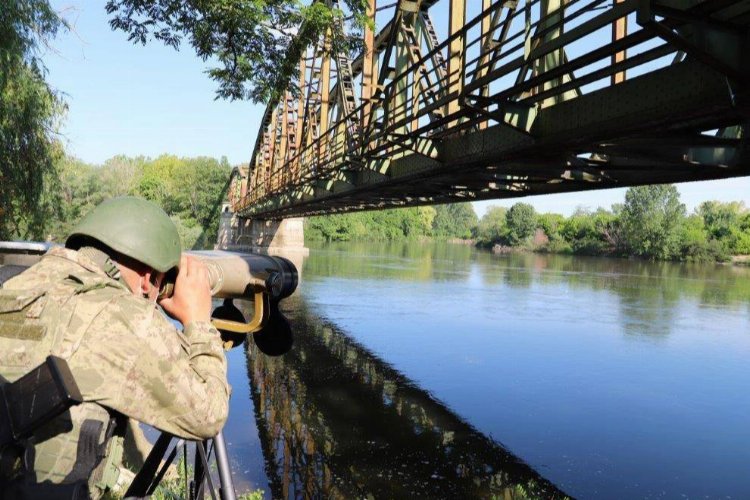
133, 227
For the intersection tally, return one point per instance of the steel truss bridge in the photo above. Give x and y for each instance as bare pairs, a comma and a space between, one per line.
458, 100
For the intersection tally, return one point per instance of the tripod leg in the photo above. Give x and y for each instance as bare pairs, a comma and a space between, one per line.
203, 474
225, 473
199, 474
141, 484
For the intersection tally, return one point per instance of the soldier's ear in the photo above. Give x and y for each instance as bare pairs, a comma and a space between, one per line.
145, 283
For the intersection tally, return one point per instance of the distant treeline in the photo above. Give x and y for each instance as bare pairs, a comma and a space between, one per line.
652, 223
456, 220
190, 190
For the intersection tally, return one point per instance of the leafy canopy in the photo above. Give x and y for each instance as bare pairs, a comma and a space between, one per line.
455, 220
29, 117
651, 220
521, 222
190, 190
256, 43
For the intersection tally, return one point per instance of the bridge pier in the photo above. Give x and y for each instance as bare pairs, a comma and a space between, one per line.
283, 237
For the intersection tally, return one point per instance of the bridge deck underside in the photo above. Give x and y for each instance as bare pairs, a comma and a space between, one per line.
685, 121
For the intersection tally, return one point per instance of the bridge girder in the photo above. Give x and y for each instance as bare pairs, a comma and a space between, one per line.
526, 97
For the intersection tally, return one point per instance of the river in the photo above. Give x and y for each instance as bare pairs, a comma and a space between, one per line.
432, 370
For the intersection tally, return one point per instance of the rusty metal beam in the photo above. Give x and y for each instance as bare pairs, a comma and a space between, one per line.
619, 31
456, 54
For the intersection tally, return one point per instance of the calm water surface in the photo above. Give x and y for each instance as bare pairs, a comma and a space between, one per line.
439, 371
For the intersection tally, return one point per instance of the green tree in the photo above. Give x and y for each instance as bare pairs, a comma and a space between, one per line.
593, 233
335, 227
721, 218
696, 245
29, 117
492, 228
393, 224
651, 219
118, 176
78, 192
552, 225
521, 222
190, 190
426, 219
726, 223
256, 43
455, 220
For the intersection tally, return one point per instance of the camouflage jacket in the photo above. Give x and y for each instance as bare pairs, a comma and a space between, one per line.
122, 351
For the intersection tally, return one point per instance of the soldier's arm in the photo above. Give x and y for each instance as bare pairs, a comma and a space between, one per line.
205, 390
140, 365
134, 361
191, 305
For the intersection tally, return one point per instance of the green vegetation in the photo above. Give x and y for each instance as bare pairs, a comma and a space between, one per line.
520, 222
42, 193
651, 224
442, 221
30, 112
651, 221
190, 190
256, 43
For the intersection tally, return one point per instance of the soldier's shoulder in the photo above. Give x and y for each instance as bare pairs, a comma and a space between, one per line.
49, 269
136, 314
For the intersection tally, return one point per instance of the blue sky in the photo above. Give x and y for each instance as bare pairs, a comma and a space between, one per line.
134, 100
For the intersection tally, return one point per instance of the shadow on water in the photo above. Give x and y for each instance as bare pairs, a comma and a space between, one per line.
337, 422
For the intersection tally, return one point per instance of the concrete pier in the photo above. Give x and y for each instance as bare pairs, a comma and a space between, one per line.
284, 237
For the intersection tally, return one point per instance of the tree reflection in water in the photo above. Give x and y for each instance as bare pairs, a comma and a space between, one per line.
337, 422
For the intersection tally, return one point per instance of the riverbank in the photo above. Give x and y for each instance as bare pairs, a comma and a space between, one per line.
735, 260
652, 224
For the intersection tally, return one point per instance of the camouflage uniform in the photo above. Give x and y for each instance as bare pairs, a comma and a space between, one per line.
124, 354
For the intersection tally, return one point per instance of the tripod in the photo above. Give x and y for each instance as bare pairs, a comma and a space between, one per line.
151, 474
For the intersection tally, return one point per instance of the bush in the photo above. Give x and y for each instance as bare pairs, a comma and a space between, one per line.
492, 228
705, 251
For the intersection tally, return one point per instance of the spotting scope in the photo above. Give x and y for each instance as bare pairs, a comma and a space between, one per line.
263, 279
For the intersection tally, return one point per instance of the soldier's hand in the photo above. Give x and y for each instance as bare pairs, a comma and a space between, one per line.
191, 300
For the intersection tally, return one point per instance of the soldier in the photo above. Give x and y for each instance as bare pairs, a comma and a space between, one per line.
94, 304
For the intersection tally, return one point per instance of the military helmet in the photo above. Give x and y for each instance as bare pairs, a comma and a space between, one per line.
134, 227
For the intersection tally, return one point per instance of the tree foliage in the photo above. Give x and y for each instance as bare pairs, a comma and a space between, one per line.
592, 233
651, 224
455, 220
190, 190
29, 116
521, 222
721, 219
256, 43
491, 228
651, 220
392, 224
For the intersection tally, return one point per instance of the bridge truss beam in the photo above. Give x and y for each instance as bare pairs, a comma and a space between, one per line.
518, 98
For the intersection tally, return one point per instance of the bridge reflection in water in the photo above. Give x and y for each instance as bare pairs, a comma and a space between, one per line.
337, 422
